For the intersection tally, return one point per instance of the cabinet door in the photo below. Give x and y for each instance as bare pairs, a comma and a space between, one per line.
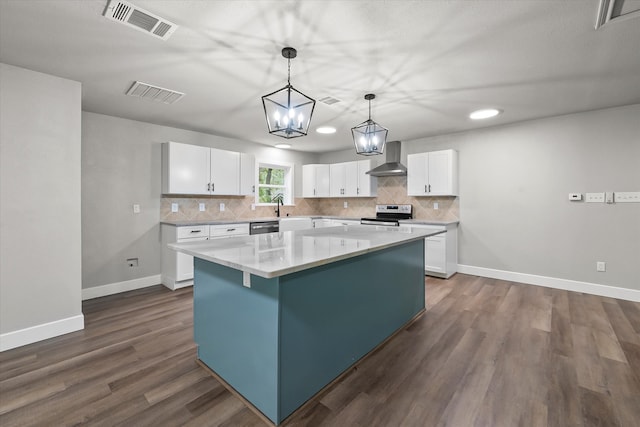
187, 169
184, 262
367, 184
440, 173
417, 174
435, 254
309, 180
337, 173
322, 180
247, 174
225, 172
351, 179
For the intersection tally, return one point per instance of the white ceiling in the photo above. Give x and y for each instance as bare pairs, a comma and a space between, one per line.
430, 63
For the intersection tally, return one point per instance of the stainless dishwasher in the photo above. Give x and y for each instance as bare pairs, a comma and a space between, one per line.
262, 227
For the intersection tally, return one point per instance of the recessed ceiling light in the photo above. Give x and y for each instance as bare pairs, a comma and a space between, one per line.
326, 129
283, 146
484, 114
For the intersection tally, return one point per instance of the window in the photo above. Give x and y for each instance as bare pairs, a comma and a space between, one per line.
275, 181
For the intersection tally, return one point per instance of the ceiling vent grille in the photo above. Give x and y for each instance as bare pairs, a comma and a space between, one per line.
140, 19
329, 100
154, 93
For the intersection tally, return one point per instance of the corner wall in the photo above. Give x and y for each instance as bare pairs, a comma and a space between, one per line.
121, 166
40, 244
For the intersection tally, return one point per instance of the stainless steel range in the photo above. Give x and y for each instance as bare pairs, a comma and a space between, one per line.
389, 215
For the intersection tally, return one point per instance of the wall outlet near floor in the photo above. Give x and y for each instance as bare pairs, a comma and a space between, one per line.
132, 262
575, 197
594, 198
221, 207
201, 207
601, 266
174, 207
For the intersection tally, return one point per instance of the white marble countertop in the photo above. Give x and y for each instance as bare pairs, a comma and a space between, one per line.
184, 223
276, 254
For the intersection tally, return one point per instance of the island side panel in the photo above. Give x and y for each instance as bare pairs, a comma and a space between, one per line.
236, 330
333, 315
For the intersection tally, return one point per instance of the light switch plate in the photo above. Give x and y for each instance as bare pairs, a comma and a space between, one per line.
627, 197
594, 198
136, 208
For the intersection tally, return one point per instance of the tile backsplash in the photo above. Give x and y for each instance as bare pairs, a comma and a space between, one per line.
391, 190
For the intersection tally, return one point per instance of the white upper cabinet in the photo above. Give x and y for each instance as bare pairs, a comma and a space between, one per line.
225, 172
186, 169
433, 174
315, 181
337, 179
349, 179
247, 174
191, 169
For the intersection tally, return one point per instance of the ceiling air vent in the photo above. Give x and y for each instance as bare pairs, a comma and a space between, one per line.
329, 100
140, 19
154, 93
610, 11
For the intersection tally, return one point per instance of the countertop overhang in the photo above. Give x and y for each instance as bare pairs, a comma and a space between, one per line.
277, 254
191, 222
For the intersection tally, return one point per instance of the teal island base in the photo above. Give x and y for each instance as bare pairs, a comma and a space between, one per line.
281, 340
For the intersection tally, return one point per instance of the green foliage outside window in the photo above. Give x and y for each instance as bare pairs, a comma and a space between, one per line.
271, 182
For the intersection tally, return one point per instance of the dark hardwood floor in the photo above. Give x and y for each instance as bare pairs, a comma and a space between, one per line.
486, 353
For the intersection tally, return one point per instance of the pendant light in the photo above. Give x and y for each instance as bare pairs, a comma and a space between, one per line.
288, 111
369, 137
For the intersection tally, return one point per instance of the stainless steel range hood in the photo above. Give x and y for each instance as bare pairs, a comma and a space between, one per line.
392, 167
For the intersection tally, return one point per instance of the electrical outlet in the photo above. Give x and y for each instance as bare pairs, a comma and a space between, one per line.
136, 208
221, 207
201, 207
601, 266
132, 262
174, 207
608, 197
575, 197
253, 206
435, 205
346, 205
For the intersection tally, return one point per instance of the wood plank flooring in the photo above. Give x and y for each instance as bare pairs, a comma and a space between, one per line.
486, 353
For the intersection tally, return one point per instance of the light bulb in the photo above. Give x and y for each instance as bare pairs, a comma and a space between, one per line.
300, 118
276, 117
292, 113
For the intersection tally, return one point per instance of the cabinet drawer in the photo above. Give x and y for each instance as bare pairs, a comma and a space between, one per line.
193, 231
225, 230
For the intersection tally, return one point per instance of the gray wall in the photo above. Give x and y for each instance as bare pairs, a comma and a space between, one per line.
121, 165
40, 253
514, 185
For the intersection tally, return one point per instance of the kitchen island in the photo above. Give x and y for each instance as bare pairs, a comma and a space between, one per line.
279, 316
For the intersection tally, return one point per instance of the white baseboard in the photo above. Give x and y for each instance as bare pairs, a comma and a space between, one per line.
41, 332
116, 288
553, 282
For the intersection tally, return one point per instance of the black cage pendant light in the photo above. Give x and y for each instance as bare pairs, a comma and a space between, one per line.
369, 137
288, 111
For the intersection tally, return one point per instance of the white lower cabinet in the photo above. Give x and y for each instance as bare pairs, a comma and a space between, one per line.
440, 251
177, 268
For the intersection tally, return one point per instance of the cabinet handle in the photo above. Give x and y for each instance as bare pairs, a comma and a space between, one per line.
253, 188
358, 190
231, 229
314, 191
425, 188
429, 188
209, 187
213, 187
196, 231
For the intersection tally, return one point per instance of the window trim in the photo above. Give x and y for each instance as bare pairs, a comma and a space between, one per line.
288, 184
